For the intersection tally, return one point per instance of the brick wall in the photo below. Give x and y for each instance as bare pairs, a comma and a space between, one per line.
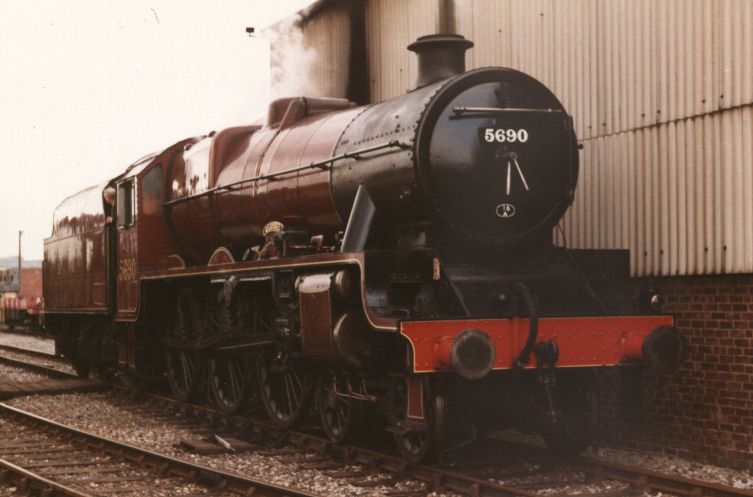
704, 410
31, 282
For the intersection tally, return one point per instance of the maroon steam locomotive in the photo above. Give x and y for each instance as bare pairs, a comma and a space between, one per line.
392, 261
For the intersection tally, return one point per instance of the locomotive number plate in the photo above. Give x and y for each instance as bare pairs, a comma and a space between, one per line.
502, 135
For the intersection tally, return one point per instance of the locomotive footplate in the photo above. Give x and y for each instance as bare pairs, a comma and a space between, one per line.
495, 344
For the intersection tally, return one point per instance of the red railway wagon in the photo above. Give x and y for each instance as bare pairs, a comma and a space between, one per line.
24, 311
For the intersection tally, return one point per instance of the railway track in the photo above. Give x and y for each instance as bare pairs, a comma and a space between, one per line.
31, 353
53, 459
380, 468
639, 479
623, 480
32, 360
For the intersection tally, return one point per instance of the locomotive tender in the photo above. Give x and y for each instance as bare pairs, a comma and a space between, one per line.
392, 261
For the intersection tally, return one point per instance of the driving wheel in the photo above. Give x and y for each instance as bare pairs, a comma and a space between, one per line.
341, 416
230, 380
230, 374
284, 385
418, 440
185, 365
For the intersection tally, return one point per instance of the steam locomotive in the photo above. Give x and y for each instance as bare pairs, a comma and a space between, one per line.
391, 263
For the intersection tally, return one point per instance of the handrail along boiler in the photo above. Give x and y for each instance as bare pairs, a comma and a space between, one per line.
397, 255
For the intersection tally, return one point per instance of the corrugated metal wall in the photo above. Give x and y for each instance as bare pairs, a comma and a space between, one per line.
390, 26
661, 92
329, 36
679, 195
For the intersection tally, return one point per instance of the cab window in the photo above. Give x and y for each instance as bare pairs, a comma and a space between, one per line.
126, 203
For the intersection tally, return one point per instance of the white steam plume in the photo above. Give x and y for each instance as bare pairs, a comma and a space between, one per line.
292, 61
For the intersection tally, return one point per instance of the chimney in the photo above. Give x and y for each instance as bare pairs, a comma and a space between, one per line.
440, 56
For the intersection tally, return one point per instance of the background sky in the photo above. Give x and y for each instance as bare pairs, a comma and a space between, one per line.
89, 86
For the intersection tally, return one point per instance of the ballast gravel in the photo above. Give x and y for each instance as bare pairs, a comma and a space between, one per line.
109, 416
20, 375
96, 413
46, 345
657, 462
119, 477
56, 363
676, 465
102, 415
8, 491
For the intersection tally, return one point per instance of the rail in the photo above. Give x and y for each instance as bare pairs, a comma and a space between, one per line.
164, 465
37, 367
23, 479
441, 479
